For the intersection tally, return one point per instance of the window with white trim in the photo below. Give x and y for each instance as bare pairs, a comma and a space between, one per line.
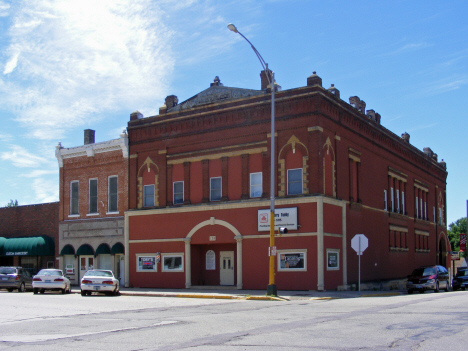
178, 188
148, 195
392, 202
292, 260
295, 181
256, 184
93, 196
113, 194
398, 201
146, 263
172, 262
333, 260
74, 209
385, 199
215, 189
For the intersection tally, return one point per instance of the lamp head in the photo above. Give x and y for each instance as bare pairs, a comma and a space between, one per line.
232, 28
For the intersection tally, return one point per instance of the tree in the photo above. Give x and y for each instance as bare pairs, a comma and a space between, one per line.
12, 203
454, 231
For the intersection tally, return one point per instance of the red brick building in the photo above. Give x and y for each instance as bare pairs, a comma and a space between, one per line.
93, 200
29, 236
199, 180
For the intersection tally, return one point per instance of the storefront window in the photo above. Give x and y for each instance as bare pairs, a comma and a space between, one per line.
291, 261
333, 260
173, 263
146, 263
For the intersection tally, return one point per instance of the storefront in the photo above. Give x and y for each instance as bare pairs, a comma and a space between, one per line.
31, 253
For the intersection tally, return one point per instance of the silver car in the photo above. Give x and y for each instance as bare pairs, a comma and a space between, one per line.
51, 279
99, 280
15, 278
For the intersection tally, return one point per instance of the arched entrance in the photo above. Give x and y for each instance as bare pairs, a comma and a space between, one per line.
209, 256
443, 250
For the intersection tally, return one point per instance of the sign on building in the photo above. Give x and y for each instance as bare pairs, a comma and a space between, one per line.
284, 217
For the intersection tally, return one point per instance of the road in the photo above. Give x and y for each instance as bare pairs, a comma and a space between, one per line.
71, 322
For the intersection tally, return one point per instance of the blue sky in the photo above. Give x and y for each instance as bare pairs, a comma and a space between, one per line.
66, 66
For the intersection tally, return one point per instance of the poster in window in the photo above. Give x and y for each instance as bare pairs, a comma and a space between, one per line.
146, 263
332, 260
292, 260
210, 260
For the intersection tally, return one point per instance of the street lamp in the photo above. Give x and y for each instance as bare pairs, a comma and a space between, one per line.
271, 289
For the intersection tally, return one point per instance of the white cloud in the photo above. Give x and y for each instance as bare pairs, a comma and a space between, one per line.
39, 173
72, 60
4, 9
46, 190
20, 157
6, 137
407, 48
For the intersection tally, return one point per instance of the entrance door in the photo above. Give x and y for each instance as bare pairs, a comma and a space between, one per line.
226, 268
86, 263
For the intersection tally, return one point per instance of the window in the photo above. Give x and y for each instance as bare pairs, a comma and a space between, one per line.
385, 199
391, 200
215, 189
113, 190
417, 209
398, 201
146, 263
333, 260
148, 196
178, 188
173, 263
434, 214
93, 196
291, 260
295, 181
74, 198
403, 202
256, 184
398, 238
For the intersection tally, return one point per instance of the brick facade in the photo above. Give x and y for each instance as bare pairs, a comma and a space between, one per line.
335, 165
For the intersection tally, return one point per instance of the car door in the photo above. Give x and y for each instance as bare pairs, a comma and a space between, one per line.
443, 276
27, 278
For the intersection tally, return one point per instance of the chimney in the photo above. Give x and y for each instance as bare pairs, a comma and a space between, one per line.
135, 115
314, 79
334, 91
405, 136
428, 152
264, 79
216, 82
89, 136
358, 104
443, 164
169, 103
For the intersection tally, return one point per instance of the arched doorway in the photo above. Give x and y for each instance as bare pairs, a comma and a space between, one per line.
443, 251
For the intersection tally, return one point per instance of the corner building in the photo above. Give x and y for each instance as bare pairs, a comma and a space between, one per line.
199, 180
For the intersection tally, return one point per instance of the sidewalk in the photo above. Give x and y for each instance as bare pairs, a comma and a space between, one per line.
229, 293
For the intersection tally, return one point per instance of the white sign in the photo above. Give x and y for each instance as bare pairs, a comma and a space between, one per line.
284, 217
359, 243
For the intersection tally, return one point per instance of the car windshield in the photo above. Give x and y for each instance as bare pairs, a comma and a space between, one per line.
424, 271
44, 272
462, 273
7, 270
98, 274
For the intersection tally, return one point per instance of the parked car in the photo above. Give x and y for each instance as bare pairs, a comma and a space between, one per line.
51, 279
99, 280
15, 278
428, 278
460, 281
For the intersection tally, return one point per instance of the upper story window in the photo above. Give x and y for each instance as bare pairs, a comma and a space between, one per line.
93, 196
295, 181
113, 194
215, 189
148, 195
421, 195
74, 198
256, 184
178, 188
396, 188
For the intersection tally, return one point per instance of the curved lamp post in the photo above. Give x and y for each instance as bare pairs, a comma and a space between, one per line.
271, 289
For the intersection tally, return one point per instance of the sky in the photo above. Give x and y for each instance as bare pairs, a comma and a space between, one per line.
67, 66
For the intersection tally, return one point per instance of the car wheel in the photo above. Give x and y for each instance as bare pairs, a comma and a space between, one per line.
42, 291
437, 287
410, 292
10, 289
64, 291
21, 288
421, 291
115, 292
69, 290
35, 291
89, 293
463, 289
83, 293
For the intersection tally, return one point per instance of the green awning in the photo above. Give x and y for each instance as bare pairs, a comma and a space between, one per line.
67, 250
103, 249
117, 249
30, 246
85, 249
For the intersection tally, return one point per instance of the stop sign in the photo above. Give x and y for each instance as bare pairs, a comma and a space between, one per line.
359, 243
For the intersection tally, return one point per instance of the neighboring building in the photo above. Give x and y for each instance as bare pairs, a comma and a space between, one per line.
199, 180
93, 200
29, 236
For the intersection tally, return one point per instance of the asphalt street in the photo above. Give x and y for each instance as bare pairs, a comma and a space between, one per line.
71, 322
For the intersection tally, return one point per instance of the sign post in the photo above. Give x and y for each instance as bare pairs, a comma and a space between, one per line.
359, 243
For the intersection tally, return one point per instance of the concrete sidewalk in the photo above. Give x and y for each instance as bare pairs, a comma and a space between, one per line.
229, 293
